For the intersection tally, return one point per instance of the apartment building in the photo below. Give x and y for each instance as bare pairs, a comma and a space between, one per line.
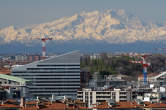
92, 97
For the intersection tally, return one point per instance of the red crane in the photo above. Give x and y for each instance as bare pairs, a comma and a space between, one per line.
144, 65
44, 46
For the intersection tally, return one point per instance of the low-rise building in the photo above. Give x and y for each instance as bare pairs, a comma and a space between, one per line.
92, 97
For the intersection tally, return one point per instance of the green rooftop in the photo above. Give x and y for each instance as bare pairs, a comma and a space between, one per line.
13, 78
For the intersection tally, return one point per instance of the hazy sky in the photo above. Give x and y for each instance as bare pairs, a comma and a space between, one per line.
26, 12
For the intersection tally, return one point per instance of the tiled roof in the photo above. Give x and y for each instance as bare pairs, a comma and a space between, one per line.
10, 101
55, 106
31, 102
9, 106
102, 105
4, 71
127, 105
156, 105
30, 108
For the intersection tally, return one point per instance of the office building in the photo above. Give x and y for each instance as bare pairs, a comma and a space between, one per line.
57, 75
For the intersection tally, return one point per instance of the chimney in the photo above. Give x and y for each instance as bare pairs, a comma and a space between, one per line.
22, 102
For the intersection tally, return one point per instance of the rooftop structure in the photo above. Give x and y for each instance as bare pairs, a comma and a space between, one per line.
13, 78
79, 105
14, 86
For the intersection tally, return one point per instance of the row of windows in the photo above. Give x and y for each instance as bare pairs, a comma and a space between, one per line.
46, 71
55, 93
103, 96
52, 68
56, 81
59, 89
50, 95
57, 84
47, 75
42, 87
55, 90
59, 65
79, 97
123, 97
59, 92
102, 92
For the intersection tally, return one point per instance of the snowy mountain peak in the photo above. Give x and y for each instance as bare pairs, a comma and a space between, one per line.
112, 26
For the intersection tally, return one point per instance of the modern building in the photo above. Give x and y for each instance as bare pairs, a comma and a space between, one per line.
57, 75
91, 97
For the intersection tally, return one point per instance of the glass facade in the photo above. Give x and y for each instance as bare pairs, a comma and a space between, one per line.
59, 75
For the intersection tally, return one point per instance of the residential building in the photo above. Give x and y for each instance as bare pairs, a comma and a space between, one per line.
91, 97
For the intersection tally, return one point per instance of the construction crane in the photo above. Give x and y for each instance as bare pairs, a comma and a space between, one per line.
145, 65
44, 46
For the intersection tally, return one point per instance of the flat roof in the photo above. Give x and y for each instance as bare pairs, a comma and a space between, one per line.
13, 78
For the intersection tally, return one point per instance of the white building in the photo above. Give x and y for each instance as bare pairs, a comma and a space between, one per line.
91, 97
95, 56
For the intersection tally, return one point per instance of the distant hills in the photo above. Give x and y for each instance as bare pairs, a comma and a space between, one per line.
107, 31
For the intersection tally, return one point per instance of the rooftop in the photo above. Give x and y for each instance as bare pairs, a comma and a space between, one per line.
13, 78
63, 106
5, 71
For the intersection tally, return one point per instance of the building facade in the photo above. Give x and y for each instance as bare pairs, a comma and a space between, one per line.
91, 97
57, 75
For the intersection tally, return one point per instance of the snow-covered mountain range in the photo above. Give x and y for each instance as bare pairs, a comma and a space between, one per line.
110, 26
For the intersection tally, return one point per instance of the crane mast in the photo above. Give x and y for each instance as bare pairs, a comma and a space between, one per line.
145, 65
44, 46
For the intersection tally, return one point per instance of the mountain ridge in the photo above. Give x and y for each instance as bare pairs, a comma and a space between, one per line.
110, 25
113, 26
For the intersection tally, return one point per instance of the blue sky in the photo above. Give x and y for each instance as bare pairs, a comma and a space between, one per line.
26, 12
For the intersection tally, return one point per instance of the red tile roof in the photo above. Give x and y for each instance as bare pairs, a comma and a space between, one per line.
5, 71
9, 106
156, 105
30, 108
31, 102
62, 106
127, 105
103, 105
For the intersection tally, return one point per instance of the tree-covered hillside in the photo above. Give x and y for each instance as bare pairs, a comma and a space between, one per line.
120, 64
